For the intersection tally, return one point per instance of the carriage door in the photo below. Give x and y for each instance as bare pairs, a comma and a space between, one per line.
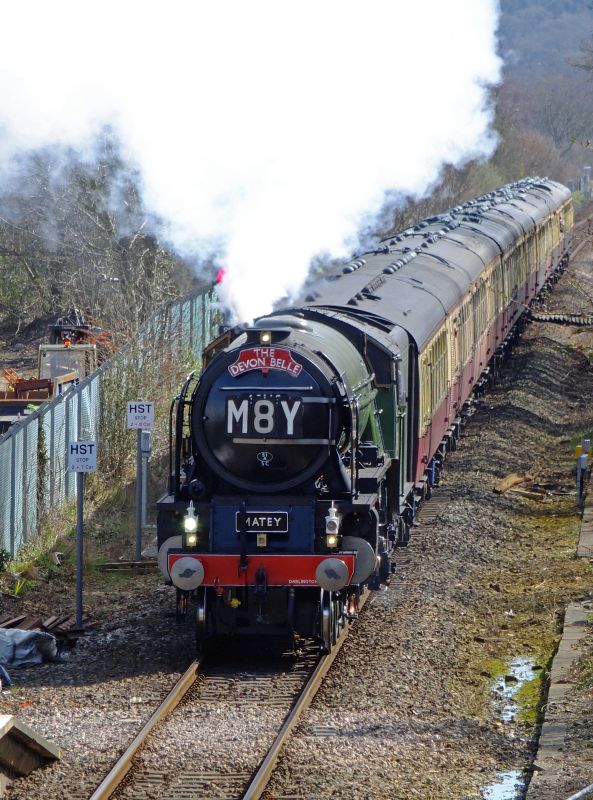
404, 419
454, 362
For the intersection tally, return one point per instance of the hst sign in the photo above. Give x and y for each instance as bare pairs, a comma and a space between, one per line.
82, 457
265, 359
140, 415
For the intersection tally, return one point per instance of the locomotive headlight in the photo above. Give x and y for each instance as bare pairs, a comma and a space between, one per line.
265, 337
190, 526
191, 539
332, 527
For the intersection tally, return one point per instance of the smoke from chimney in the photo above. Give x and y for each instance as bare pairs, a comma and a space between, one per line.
264, 132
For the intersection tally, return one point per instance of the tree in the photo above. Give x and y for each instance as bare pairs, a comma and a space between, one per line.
74, 232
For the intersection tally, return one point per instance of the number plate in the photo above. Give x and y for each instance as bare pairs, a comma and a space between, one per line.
264, 521
266, 417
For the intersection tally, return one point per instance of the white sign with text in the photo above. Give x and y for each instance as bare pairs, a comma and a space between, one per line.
82, 457
141, 415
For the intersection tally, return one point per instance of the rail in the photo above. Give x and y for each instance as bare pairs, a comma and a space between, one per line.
573, 319
261, 778
584, 227
562, 319
583, 793
123, 765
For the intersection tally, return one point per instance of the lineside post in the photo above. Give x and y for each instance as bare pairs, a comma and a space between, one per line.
139, 481
79, 545
140, 417
582, 469
82, 458
146, 447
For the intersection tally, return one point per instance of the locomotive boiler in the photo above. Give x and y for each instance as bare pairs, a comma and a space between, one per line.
299, 454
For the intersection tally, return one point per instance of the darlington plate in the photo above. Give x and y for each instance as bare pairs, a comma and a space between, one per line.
281, 570
264, 521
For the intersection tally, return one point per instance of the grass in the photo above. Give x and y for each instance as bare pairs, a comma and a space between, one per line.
108, 533
585, 672
529, 698
542, 577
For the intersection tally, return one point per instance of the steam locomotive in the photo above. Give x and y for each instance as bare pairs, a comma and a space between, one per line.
299, 455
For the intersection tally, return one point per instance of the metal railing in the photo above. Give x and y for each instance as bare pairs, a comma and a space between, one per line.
583, 793
33, 475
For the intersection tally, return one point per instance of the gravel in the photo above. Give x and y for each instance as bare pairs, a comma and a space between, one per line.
407, 710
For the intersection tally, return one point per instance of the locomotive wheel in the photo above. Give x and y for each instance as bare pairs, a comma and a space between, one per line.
338, 618
403, 533
401, 527
384, 567
406, 534
203, 622
326, 619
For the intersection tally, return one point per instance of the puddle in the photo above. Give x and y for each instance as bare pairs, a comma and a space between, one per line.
520, 672
510, 784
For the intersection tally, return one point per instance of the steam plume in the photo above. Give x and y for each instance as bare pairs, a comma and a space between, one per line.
263, 131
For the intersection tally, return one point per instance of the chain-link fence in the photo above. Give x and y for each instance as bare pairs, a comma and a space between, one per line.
33, 474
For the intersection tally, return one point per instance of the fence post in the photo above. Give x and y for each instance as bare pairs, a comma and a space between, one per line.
67, 415
79, 420
25, 484
12, 493
52, 457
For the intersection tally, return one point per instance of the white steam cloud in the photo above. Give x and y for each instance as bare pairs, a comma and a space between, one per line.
264, 131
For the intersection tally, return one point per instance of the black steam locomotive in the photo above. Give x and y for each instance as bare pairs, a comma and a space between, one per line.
299, 455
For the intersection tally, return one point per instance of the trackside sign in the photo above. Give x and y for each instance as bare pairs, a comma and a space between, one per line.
265, 359
82, 457
141, 415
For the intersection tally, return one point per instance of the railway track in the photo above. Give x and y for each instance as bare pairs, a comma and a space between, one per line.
563, 319
170, 757
278, 689
582, 233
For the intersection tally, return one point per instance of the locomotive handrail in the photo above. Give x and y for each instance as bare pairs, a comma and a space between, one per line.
353, 449
174, 402
179, 427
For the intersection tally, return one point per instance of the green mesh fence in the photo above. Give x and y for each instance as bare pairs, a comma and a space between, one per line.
33, 465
